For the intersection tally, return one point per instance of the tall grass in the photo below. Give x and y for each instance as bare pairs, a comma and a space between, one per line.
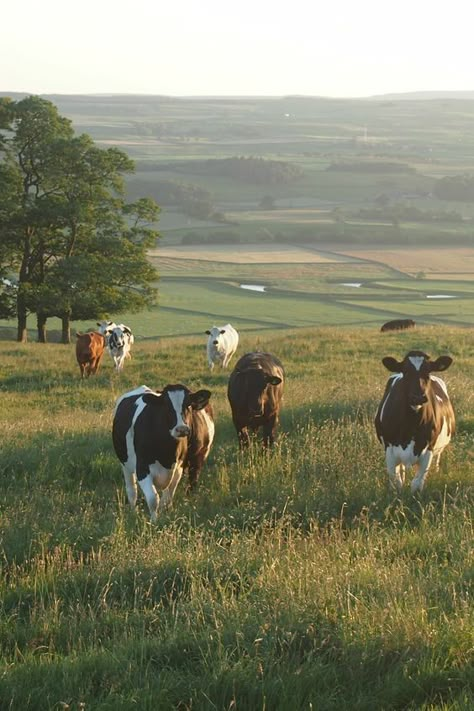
292, 580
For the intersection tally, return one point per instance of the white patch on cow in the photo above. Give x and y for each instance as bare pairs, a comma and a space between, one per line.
138, 391
210, 428
177, 398
161, 475
393, 378
398, 458
417, 361
151, 496
444, 438
440, 382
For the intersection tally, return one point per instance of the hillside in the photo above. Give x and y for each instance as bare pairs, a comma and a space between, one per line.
294, 579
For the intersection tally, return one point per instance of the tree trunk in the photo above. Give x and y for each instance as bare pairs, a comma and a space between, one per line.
66, 329
41, 325
22, 332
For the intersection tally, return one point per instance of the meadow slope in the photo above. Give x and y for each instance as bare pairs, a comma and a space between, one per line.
292, 580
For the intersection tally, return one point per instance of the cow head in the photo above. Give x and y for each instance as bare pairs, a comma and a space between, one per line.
252, 384
415, 371
179, 402
106, 327
215, 335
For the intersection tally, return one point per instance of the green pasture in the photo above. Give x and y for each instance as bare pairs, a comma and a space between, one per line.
292, 579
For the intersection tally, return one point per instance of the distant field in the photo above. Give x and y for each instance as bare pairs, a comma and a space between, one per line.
451, 261
250, 254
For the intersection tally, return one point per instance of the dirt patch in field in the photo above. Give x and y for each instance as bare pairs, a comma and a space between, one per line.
250, 254
448, 262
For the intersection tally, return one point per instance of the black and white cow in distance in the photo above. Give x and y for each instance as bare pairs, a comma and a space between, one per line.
255, 392
221, 345
119, 339
415, 419
159, 434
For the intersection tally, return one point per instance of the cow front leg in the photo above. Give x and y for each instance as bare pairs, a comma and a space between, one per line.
424, 463
130, 486
396, 471
152, 498
269, 432
168, 493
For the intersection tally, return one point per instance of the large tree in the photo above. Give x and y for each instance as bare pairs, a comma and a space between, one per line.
78, 247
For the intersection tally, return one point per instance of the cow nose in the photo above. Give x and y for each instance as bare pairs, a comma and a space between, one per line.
215, 343
417, 400
182, 431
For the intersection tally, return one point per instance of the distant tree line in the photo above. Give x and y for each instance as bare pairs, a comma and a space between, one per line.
455, 187
192, 200
365, 166
410, 213
248, 169
71, 246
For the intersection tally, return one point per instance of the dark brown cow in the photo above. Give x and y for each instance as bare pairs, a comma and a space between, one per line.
398, 324
158, 435
255, 391
89, 351
415, 419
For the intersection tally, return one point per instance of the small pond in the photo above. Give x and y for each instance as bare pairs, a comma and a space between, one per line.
252, 287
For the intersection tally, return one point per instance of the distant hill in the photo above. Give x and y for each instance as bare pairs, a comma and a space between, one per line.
426, 95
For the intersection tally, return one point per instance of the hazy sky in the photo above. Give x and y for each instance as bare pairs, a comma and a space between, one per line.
250, 47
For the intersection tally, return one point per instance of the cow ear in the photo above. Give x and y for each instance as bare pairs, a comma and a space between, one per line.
208, 332
199, 399
392, 365
127, 330
152, 399
441, 363
222, 330
273, 379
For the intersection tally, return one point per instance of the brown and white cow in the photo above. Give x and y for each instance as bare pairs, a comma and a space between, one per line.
89, 351
398, 324
158, 435
255, 391
415, 419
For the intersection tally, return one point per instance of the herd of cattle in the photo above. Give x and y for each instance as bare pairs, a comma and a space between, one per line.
159, 435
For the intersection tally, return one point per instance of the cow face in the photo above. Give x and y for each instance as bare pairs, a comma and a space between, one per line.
415, 371
215, 334
252, 388
179, 403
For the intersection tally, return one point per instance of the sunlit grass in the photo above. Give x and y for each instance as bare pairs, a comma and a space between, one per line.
293, 579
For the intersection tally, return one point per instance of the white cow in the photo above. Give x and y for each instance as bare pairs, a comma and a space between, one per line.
221, 345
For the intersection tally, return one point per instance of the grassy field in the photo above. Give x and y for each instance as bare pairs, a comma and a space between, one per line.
291, 580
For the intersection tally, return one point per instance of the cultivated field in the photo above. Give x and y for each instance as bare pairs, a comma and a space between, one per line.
291, 580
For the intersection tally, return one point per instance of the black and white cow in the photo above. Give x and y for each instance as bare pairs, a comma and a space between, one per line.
119, 341
415, 419
159, 434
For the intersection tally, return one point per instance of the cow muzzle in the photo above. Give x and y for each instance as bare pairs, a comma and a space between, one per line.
180, 432
417, 401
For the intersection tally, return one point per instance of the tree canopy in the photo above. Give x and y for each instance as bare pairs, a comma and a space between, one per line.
78, 249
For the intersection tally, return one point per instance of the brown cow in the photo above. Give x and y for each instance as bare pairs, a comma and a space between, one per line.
89, 351
255, 391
